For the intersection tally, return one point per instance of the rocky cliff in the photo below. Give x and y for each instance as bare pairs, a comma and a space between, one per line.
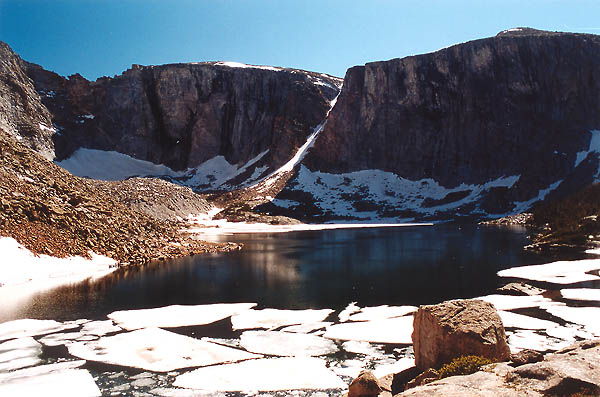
22, 113
182, 115
485, 127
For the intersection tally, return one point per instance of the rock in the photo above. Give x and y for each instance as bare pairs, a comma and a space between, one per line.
520, 289
456, 115
401, 379
425, 377
365, 385
574, 371
526, 356
458, 328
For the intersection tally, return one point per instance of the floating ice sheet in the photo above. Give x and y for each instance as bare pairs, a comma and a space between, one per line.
581, 294
29, 327
393, 368
19, 353
394, 330
512, 302
40, 370
589, 317
348, 311
307, 328
562, 272
274, 318
61, 339
279, 343
66, 383
100, 328
157, 350
381, 312
177, 315
361, 347
263, 375
514, 320
527, 339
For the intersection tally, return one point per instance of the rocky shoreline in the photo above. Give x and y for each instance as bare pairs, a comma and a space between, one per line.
49, 211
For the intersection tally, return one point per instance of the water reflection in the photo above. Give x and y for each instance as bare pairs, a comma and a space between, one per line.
311, 269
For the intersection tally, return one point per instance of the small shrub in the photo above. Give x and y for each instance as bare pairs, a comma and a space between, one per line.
464, 365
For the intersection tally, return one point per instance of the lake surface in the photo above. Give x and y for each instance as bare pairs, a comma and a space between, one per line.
309, 269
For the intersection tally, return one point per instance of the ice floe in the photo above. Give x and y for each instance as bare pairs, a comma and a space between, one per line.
157, 350
581, 294
64, 383
393, 367
512, 302
60, 339
307, 328
177, 315
31, 327
381, 312
561, 272
393, 330
361, 347
589, 317
275, 318
514, 320
348, 311
19, 353
528, 339
100, 328
40, 370
277, 343
278, 374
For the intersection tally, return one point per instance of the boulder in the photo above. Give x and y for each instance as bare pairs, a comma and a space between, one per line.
574, 371
365, 385
526, 356
520, 289
458, 328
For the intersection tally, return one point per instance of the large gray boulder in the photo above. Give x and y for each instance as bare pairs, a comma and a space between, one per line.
458, 328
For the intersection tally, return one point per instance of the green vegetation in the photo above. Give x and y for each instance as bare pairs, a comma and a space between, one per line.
464, 365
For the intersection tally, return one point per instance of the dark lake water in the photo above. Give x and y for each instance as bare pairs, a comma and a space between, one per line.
310, 269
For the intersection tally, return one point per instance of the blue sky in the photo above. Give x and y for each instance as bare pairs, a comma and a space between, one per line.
104, 37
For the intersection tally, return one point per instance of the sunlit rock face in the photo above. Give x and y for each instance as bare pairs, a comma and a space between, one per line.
22, 113
423, 136
182, 115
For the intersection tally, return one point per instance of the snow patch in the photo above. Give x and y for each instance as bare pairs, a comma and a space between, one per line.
385, 189
593, 148
382, 312
512, 302
246, 66
522, 206
112, 166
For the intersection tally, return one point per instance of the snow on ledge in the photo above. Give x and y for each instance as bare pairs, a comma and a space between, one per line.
21, 267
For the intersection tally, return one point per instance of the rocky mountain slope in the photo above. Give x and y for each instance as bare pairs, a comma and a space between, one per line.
484, 128
50, 211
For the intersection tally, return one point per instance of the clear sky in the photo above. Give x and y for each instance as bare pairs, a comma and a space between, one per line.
104, 37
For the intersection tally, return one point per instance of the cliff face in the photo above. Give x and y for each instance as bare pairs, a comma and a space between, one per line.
21, 112
181, 115
517, 112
